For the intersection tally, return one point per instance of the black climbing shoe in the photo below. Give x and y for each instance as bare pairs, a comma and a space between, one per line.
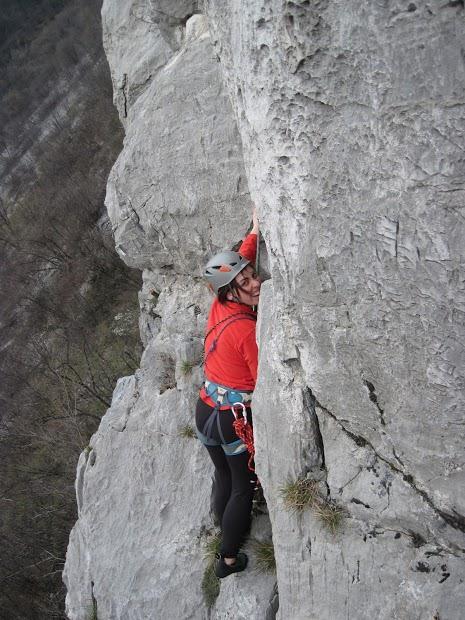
223, 570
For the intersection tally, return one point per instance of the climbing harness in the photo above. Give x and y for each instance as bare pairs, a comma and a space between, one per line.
222, 395
244, 431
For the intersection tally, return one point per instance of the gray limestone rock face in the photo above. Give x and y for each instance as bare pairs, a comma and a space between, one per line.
176, 194
178, 191
345, 122
143, 489
352, 118
141, 37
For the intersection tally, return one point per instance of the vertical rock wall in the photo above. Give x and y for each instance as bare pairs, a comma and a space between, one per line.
352, 118
177, 193
346, 126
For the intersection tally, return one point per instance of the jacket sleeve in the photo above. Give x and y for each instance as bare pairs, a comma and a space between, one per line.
248, 247
249, 350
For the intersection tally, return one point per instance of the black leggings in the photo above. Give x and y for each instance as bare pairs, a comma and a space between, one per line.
234, 482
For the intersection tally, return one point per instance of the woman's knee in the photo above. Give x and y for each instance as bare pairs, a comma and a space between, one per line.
242, 493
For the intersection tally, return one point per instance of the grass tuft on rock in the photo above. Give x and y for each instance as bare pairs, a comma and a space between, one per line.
210, 586
210, 582
93, 614
187, 431
304, 493
186, 367
329, 514
263, 551
299, 494
212, 547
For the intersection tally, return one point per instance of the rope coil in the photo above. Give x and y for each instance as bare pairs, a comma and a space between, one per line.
244, 431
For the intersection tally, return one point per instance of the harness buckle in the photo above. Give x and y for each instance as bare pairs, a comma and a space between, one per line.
220, 392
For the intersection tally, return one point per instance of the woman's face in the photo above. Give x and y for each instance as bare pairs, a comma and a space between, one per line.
248, 285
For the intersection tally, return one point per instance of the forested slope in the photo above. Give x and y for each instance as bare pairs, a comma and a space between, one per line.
68, 305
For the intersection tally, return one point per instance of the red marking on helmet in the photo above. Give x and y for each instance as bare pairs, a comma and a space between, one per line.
225, 268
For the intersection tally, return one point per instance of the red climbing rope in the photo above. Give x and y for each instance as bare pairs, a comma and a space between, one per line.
244, 431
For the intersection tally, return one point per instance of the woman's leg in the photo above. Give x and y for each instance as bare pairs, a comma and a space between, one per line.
222, 484
222, 480
237, 514
234, 482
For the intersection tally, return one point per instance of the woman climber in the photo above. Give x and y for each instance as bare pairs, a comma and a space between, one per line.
230, 362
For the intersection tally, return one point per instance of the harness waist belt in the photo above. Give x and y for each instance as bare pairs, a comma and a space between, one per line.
223, 395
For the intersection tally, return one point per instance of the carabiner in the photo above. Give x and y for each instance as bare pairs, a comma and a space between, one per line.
244, 411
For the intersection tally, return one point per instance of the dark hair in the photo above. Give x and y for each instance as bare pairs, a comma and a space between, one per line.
224, 290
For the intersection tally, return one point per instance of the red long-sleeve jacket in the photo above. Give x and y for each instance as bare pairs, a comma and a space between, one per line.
233, 362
